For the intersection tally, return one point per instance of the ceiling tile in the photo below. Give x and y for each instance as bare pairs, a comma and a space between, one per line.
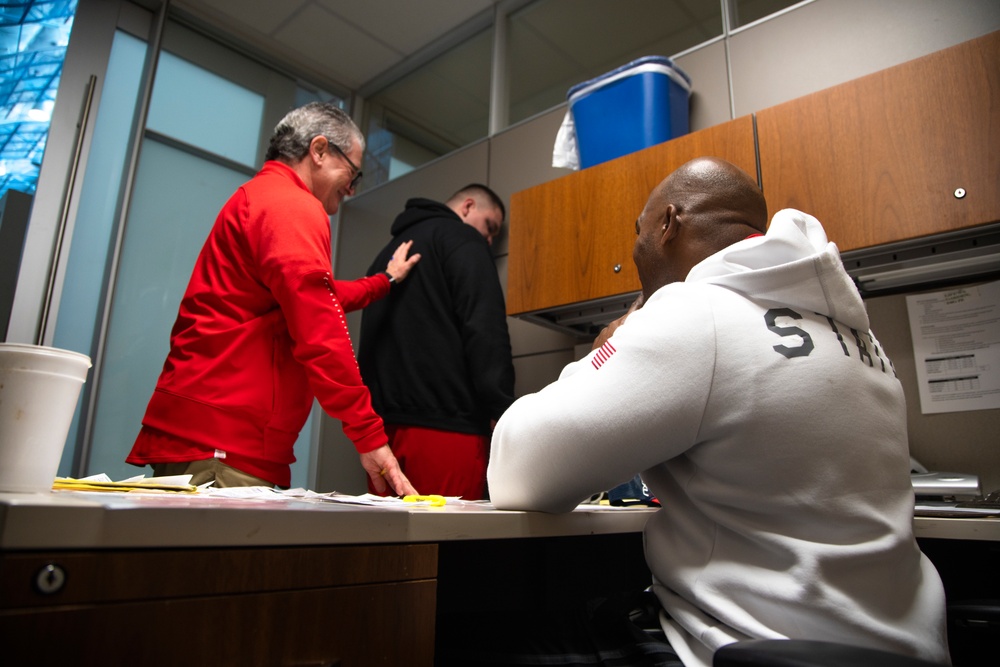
261, 15
350, 55
407, 26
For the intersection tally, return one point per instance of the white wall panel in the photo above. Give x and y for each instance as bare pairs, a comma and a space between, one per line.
709, 85
827, 42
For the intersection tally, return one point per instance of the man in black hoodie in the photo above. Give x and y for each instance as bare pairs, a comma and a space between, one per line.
436, 353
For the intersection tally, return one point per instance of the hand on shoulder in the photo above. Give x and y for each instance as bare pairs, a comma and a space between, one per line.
400, 265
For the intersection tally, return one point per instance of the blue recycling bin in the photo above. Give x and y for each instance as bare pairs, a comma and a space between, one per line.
630, 108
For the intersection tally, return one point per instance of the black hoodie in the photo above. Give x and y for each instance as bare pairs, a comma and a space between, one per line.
436, 352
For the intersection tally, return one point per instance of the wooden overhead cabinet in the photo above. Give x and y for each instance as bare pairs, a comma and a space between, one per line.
904, 153
571, 238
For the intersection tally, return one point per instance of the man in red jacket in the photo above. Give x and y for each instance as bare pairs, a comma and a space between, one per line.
261, 327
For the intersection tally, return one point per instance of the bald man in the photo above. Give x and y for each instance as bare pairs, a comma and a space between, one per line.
747, 389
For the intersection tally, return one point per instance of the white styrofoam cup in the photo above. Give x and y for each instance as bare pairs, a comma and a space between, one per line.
39, 389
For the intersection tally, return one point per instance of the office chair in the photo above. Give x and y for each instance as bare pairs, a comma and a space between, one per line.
808, 653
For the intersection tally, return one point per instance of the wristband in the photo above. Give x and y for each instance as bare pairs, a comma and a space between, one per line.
388, 275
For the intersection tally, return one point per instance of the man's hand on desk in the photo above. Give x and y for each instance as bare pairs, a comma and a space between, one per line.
383, 468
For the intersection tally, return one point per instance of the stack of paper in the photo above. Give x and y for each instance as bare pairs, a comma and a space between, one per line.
176, 484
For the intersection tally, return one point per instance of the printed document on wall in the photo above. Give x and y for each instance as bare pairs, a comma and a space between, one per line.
956, 348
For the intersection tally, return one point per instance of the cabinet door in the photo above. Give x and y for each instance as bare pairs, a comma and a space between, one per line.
351, 626
899, 154
571, 238
355, 605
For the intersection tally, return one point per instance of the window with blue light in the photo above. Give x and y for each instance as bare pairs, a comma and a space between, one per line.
34, 35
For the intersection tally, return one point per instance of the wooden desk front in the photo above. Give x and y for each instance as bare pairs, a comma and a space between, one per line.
99, 578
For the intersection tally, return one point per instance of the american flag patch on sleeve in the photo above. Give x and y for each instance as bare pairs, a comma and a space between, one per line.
603, 354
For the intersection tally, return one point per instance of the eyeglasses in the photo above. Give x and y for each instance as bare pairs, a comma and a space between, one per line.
357, 170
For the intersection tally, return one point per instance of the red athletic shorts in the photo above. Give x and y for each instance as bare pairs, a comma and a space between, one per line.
444, 463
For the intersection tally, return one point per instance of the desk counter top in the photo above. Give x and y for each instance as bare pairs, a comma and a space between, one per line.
73, 520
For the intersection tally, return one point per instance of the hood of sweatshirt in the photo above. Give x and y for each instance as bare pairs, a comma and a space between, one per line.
417, 210
793, 264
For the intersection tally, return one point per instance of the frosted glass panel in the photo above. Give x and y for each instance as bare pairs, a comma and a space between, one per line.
199, 108
454, 116
177, 197
747, 11
178, 189
81, 302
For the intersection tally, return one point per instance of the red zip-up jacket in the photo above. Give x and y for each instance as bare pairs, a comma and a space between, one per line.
260, 330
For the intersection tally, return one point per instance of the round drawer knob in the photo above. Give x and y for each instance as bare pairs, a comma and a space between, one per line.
50, 579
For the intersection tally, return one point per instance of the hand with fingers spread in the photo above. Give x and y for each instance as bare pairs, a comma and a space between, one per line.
400, 265
383, 469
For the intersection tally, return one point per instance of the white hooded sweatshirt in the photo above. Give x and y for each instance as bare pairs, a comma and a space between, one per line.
768, 421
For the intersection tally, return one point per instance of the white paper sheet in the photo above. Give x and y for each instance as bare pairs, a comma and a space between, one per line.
956, 348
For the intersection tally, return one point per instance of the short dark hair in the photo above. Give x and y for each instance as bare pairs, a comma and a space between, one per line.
293, 134
478, 188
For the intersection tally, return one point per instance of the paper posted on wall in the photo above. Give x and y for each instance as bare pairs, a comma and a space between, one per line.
956, 347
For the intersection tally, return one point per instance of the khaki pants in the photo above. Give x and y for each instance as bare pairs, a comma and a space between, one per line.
209, 470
